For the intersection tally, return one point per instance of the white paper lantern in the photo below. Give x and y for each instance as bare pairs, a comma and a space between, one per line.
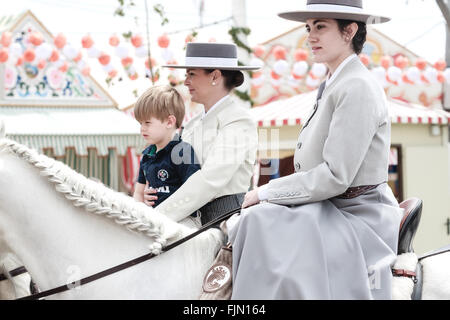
256, 62
43, 51
167, 54
276, 82
259, 81
319, 70
93, 52
312, 83
300, 68
141, 51
69, 51
15, 49
121, 51
108, 68
413, 74
281, 67
380, 75
447, 75
394, 73
431, 74
81, 64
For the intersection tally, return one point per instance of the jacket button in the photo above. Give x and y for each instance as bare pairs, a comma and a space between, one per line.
299, 145
297, 166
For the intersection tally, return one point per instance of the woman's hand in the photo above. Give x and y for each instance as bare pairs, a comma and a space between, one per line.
149, 197
251, 198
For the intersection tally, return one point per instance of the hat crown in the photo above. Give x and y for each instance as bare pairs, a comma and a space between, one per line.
348, 3
211, 50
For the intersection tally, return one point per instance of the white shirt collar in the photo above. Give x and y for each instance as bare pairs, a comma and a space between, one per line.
204, 114
339, 69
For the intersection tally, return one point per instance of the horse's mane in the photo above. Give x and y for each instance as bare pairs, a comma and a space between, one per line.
99, 199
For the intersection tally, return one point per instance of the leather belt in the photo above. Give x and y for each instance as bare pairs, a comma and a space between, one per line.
219, 206
354, 192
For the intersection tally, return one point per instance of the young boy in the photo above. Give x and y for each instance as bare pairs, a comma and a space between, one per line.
168, 161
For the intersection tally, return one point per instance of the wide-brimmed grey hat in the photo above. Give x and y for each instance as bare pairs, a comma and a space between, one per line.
334, 9
210, 55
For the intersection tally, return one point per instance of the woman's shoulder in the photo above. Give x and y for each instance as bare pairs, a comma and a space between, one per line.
235, 111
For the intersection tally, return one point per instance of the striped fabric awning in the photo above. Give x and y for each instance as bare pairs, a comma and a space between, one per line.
296, 110
79, 128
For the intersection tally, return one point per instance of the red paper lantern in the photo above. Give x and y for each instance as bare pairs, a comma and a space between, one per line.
406, 79
41, 64
275, 75
136, 41
55, 56
104, 59
163, 41
29, 55
4, 55
279, 52
259, 51
365, 59
401, 62
64, 67
86, 71
60, 41
421, 64
441, 77
386, 62
127, 61
256, 74
78, 57
6, 38
112, 73
440, 65
19, 61
36, 38
133, 76
87, 42
114, 41
301, 55
153, 63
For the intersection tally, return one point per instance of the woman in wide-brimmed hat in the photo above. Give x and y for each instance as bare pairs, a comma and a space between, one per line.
329, 230
224, 137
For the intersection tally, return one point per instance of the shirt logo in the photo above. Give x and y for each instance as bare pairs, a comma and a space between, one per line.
217, 277
163, 175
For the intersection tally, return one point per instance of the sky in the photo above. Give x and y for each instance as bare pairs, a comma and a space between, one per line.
416, 24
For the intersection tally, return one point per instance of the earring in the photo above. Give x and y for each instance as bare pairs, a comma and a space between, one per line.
213, 83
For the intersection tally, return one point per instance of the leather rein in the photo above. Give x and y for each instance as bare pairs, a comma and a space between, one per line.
119, 267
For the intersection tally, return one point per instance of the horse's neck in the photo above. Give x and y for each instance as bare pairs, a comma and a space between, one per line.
53, 237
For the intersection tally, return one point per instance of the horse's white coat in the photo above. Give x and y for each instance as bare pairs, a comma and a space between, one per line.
402, 287
436, 277
14, 287
60, 243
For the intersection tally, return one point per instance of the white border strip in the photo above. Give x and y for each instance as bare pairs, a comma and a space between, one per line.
207, 61
333, 8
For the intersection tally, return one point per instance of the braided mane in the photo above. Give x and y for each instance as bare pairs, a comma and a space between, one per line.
99, 199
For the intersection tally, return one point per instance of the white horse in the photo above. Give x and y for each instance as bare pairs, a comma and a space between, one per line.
63, 236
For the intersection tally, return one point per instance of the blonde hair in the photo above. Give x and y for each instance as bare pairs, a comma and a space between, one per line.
160, 102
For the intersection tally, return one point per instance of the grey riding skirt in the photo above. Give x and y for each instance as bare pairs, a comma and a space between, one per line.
332, 249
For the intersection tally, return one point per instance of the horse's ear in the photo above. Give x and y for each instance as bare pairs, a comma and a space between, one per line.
2, 129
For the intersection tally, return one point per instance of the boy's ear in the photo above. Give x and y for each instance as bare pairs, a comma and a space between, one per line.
172, 121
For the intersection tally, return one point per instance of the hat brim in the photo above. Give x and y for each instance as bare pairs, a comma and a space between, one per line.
302, 16
238, 68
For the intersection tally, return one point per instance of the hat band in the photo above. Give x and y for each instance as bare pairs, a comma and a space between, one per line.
211, 61
333, 8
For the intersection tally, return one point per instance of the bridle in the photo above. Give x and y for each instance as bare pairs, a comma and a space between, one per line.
119, 267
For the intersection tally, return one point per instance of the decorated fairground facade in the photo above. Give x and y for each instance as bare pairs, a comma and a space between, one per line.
49, 101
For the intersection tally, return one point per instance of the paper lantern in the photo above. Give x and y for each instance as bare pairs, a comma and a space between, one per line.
380, 75
394, 74
121, 51
256, 62
365, 59
29, 55
112, 73
60, 41
413, 74
258, 81
19, 61
86, 71
87, 42
259, 51
401, 62
301, 55
421, 64
133, 76
4, 55
136, 41
279, 52
41, 64
319, 70
108, 67
440, 65
299, 69
36, 38
6, 39
440, 77
430, 75
141, 52
281, 67
104, 58
78, 56
312, 83
54, 56
386, 62
69, 51
153, 63
43, 51
167, 54
127, 61
163, 41
64, 67
93, 52
275, 75
405, 79
114, 40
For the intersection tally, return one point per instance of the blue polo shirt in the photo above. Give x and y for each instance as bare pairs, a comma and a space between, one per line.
167, 169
